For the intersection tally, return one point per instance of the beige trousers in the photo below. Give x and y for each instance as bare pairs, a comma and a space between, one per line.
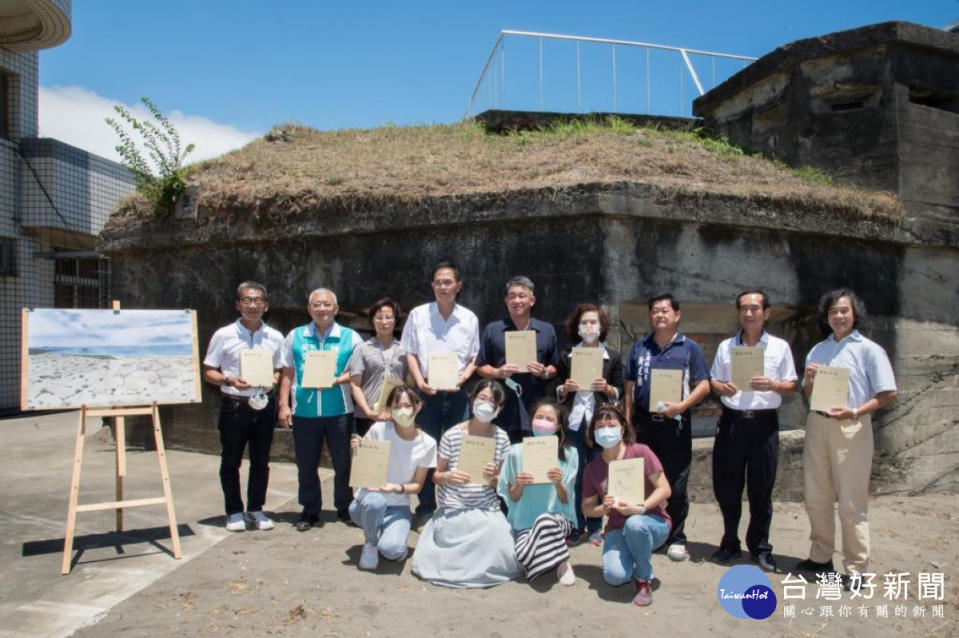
837, 460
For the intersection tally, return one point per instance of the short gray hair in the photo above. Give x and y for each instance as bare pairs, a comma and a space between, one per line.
322, 290
250, 284
520, 280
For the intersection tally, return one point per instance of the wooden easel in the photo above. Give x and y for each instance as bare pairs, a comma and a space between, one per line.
119, 504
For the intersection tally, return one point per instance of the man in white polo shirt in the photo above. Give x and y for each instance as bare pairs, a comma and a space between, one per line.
440, 326
247, 414
837, 454
746, 449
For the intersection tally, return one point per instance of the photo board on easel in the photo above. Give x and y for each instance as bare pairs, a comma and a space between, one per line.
72, 358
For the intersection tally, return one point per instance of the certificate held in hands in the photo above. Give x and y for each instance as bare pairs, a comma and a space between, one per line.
389, 382
586, 364
370, 463
830, 388
319, 369
256, 367
520, 348
746, 363
540, 455
627, 481
665, 386
475, 452
443, 370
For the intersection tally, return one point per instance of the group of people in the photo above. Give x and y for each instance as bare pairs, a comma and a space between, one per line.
487, 529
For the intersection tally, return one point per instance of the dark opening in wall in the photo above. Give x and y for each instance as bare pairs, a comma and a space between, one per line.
846, 106
8, 256
942, 100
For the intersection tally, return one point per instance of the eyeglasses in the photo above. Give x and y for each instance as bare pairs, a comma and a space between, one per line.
252, 301
384, 318
321, 305
443, 283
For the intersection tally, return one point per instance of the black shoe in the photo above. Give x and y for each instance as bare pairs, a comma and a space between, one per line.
723, 555
765, 560
307, 521
344, 516
809, 565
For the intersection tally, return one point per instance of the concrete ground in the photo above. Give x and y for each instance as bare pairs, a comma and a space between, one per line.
287, 583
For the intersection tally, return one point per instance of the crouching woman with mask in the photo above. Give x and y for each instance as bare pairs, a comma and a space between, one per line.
633, 530
467, 542
384, 512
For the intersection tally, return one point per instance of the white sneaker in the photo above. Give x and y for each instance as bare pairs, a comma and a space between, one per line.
370, 557
235, 523
566, 577
677, 552
259, 520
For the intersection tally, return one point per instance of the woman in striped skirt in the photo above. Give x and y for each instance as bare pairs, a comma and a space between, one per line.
542, 509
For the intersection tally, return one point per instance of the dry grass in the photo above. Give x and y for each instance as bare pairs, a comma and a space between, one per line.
303, 167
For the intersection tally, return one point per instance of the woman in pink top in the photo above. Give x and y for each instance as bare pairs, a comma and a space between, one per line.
633, 530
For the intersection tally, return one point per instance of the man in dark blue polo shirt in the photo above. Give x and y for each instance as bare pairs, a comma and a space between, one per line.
666, 428
529, 379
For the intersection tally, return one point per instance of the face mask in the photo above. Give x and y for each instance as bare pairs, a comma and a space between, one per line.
586, 335
608, 437
542, 427
403, 416
484, 411
258, 399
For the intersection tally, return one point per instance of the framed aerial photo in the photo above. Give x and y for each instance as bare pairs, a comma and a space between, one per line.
103, 358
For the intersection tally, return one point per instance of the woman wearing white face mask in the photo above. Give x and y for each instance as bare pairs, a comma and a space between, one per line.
587, 328
542, 509
633, 530
467, 542
384, 512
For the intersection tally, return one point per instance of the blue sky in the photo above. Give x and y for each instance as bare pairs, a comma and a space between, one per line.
231, 70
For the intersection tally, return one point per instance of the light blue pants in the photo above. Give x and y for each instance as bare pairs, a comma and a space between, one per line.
387, 528
627, 551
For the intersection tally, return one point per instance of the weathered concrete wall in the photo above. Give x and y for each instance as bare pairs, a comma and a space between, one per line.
615, 244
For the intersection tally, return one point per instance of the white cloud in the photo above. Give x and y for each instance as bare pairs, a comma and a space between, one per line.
76, 115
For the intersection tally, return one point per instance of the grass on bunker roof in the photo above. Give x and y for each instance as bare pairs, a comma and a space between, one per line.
295, 168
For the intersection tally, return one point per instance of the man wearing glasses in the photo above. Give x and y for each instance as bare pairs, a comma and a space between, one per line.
247, 414
442, 326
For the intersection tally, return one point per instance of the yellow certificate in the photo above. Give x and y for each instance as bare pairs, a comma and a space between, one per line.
389, 382
830, 388
586, 364
627, 481
746, 364
256, 367
665, 386
520, 348
443, 370
319, 369
475, 452
540, 456
370, 463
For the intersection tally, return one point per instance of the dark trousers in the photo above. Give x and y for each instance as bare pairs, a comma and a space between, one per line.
308, 436
746, 452
439, 413
672, 442
586, 454
240, 425
362, 425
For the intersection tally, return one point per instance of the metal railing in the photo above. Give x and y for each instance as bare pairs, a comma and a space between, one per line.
493, 78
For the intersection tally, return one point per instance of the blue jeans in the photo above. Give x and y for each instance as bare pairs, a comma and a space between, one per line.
627, 551
308, 436
586, 455
440, 412
386, 528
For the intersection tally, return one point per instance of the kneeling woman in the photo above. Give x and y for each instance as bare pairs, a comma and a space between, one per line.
633, 530
543, 514
384, 512
467, 542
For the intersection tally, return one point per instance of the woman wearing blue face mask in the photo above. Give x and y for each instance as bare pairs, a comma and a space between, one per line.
542, 513
633, 530
384, 512
467, 542
587, 328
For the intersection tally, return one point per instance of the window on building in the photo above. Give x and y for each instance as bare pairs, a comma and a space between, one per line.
81, 283
4, 105
8, 257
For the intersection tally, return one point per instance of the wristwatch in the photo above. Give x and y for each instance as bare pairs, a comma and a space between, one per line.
227, 381
642, 509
